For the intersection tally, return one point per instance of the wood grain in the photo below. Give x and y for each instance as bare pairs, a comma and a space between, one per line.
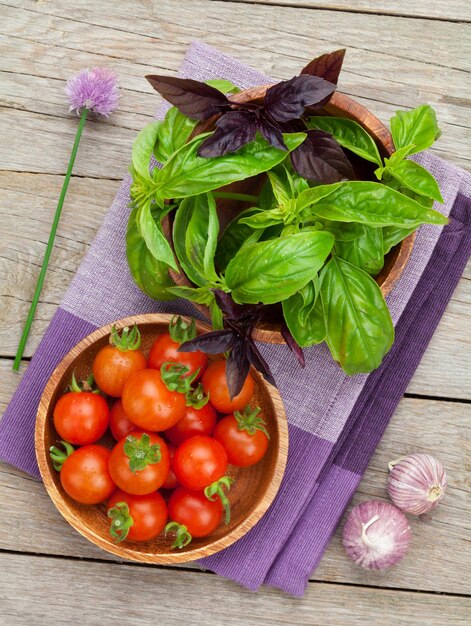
250, 496
441, 540
458, 10
52, 40
392, 62
197, 599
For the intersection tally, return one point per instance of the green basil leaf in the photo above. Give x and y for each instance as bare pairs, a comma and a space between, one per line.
368, 203
266, 199
195, 230
270, 271
150, 275
423, 200
224, 86
187, 174
342, 231
263, 219
417, 179
359, 326
281, 184
172, 134
366, 252
151, 231
349, 134
202, 234
233, 237
418, 127
142, 148
200, 295
392, 235
217, 317
306, 324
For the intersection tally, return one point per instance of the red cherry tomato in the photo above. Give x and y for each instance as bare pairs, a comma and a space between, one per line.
215, 383
171, 481
165, 348
149, 404
198, 462
194, 422
148, 515
85, 476
120, 424
244, 439
81, 417
139, 463
193, 510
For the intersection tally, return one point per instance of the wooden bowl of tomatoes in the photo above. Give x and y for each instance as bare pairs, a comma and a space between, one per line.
146, 466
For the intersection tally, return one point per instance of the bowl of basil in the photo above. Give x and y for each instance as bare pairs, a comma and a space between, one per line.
284, 212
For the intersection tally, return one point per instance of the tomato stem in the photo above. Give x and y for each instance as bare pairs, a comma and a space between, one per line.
59, 456
128, 340
250, 421
216, 490
182, 536
121, 521
174, 376
141, 453
197, 398
181, 331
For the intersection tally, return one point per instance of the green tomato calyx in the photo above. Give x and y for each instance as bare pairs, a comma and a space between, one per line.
175, 376
216, 490
251, 421
141, 452
128, 340
121, 521
182, 536
197, 398
59, 456
180, 330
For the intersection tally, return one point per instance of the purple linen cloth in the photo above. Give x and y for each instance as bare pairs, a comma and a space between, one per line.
319, 400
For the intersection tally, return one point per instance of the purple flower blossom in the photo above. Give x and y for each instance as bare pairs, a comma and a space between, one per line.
95, 89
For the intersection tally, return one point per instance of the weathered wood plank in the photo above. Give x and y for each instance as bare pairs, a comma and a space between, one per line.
457, 10
383, 74
24, 241
441, 540
183, 598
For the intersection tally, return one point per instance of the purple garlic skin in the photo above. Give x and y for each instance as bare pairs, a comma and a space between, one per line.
417, 483
376, 535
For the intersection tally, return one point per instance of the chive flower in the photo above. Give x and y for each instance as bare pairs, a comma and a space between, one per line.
96, 90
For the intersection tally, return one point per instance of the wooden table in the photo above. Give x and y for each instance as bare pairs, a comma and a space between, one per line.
400, 54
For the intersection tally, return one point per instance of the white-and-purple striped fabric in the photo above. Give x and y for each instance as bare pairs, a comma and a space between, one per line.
335, 421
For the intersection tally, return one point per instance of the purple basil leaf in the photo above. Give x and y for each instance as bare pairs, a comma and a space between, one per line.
292, 345
272, 132
213, 342
194, 99
257, 360
287, 100
320, 158
237, 368
327, 66
227, 304
233, 130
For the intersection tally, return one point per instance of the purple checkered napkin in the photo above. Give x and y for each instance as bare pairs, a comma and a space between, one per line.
319, 400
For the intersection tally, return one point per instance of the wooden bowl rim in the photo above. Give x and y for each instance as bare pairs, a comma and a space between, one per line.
120, 549
271, 333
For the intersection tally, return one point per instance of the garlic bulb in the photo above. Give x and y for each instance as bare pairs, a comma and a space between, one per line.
416, 483
376, 535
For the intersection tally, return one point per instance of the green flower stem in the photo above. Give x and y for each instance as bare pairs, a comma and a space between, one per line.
50, 243
243, 197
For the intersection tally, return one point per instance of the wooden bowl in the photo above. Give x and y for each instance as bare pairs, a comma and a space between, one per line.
268, 330
250, 496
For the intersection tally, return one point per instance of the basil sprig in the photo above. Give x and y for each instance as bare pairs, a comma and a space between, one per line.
313, 239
